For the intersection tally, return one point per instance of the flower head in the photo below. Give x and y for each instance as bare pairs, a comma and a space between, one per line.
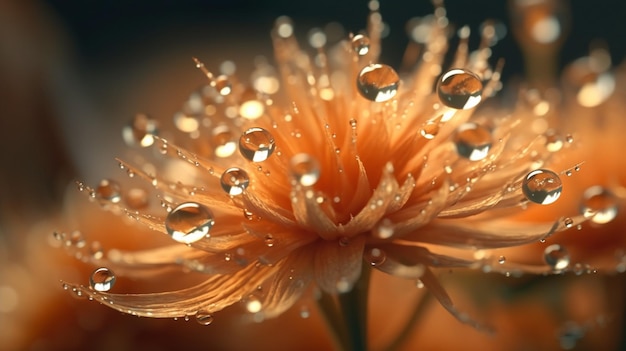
329, 164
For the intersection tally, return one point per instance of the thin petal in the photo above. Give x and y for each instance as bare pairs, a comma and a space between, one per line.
338, 266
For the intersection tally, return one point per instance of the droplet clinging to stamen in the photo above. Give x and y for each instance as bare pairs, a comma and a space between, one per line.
542, 186
256, 144
460, 89
102, 279
378, 82
599, 205
189, 222
360, 44
472, 141
140, 131
234, 181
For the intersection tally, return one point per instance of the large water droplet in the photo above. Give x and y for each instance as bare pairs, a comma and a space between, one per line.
109, 190
378, 82
256, 144
542, 186
556, 257
234, 181
460, 89
223, 141
473, 141
304, 169
102, 279
361, 44
599, 205
375, 256
204, 317
140, 131
189, 222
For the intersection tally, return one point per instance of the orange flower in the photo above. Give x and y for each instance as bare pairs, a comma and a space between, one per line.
328, 165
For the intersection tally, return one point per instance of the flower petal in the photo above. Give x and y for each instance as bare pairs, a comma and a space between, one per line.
337, 265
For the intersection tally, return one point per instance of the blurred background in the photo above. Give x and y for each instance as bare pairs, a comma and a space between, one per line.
73, 72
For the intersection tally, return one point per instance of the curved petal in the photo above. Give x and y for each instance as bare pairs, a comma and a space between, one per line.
338, 264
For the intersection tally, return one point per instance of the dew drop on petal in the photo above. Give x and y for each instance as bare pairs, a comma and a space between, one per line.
384, 229
554, 142
429, 130
304, 169
140, 131
136, 198
204, 317
102, 279
223, 141
222, 85
234, 181
473, 141
556, 257
599, 205
501, 260
189, 222
568, 222
256, 144
361, 44
378, 82
375, 256
542, 186
109, 190
460, 89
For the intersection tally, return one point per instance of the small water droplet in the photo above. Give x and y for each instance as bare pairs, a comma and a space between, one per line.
304, 169
222, 85
473, 141
419, 284
269, 240
140, 131
189, 222
136, 198
223, 141
568, 222
501, 260
109, 190
96, 250
378, 82
384, 229
204, 317
599, 205
76, 239
102, 279
569, 138
554, 142
343, 285
234, 181
430, 130
344, 241
361, 44
304, 312
460, 89
256, 144
542, 186
556, 257
375, 256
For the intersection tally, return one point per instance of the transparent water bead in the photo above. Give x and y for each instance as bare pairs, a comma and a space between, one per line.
102, 279
253, 304
473, 141
360, 44
223, 141
140, 131
378, 82
136, 198
599, 205
256, 144
304, 169
204, 317
556, 257
460, 89
222, 85
189, 222
234, 181
109, 190
542, 186
375, 256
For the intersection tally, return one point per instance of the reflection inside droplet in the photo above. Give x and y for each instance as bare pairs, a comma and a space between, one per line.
556, 257
599, 205
234, 181
304, 169
460, 89
256, 144
473, 141
189, 222
378, 82
102, 279
542, 186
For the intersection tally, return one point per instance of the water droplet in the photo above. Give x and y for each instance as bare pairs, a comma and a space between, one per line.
460, 89
556, 257
429, 130
136, 198
501, 260
384, 229
140, 131
304, 312
568, 222
222, 85
102, 279
361, 44
256, 144
599, 204
472, 141
253, 304
234, 181
375, 256
269, 240
343, 285
76, 239
554, 142
304, 169
204, 317
542, 186
189, 222
378, 82
223, 141
419, 284
96, 250
109, 190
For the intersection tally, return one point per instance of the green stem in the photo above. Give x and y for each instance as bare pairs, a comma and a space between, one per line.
328, 308
353, 306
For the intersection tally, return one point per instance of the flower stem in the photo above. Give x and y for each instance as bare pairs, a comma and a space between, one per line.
420, 307
353, 306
